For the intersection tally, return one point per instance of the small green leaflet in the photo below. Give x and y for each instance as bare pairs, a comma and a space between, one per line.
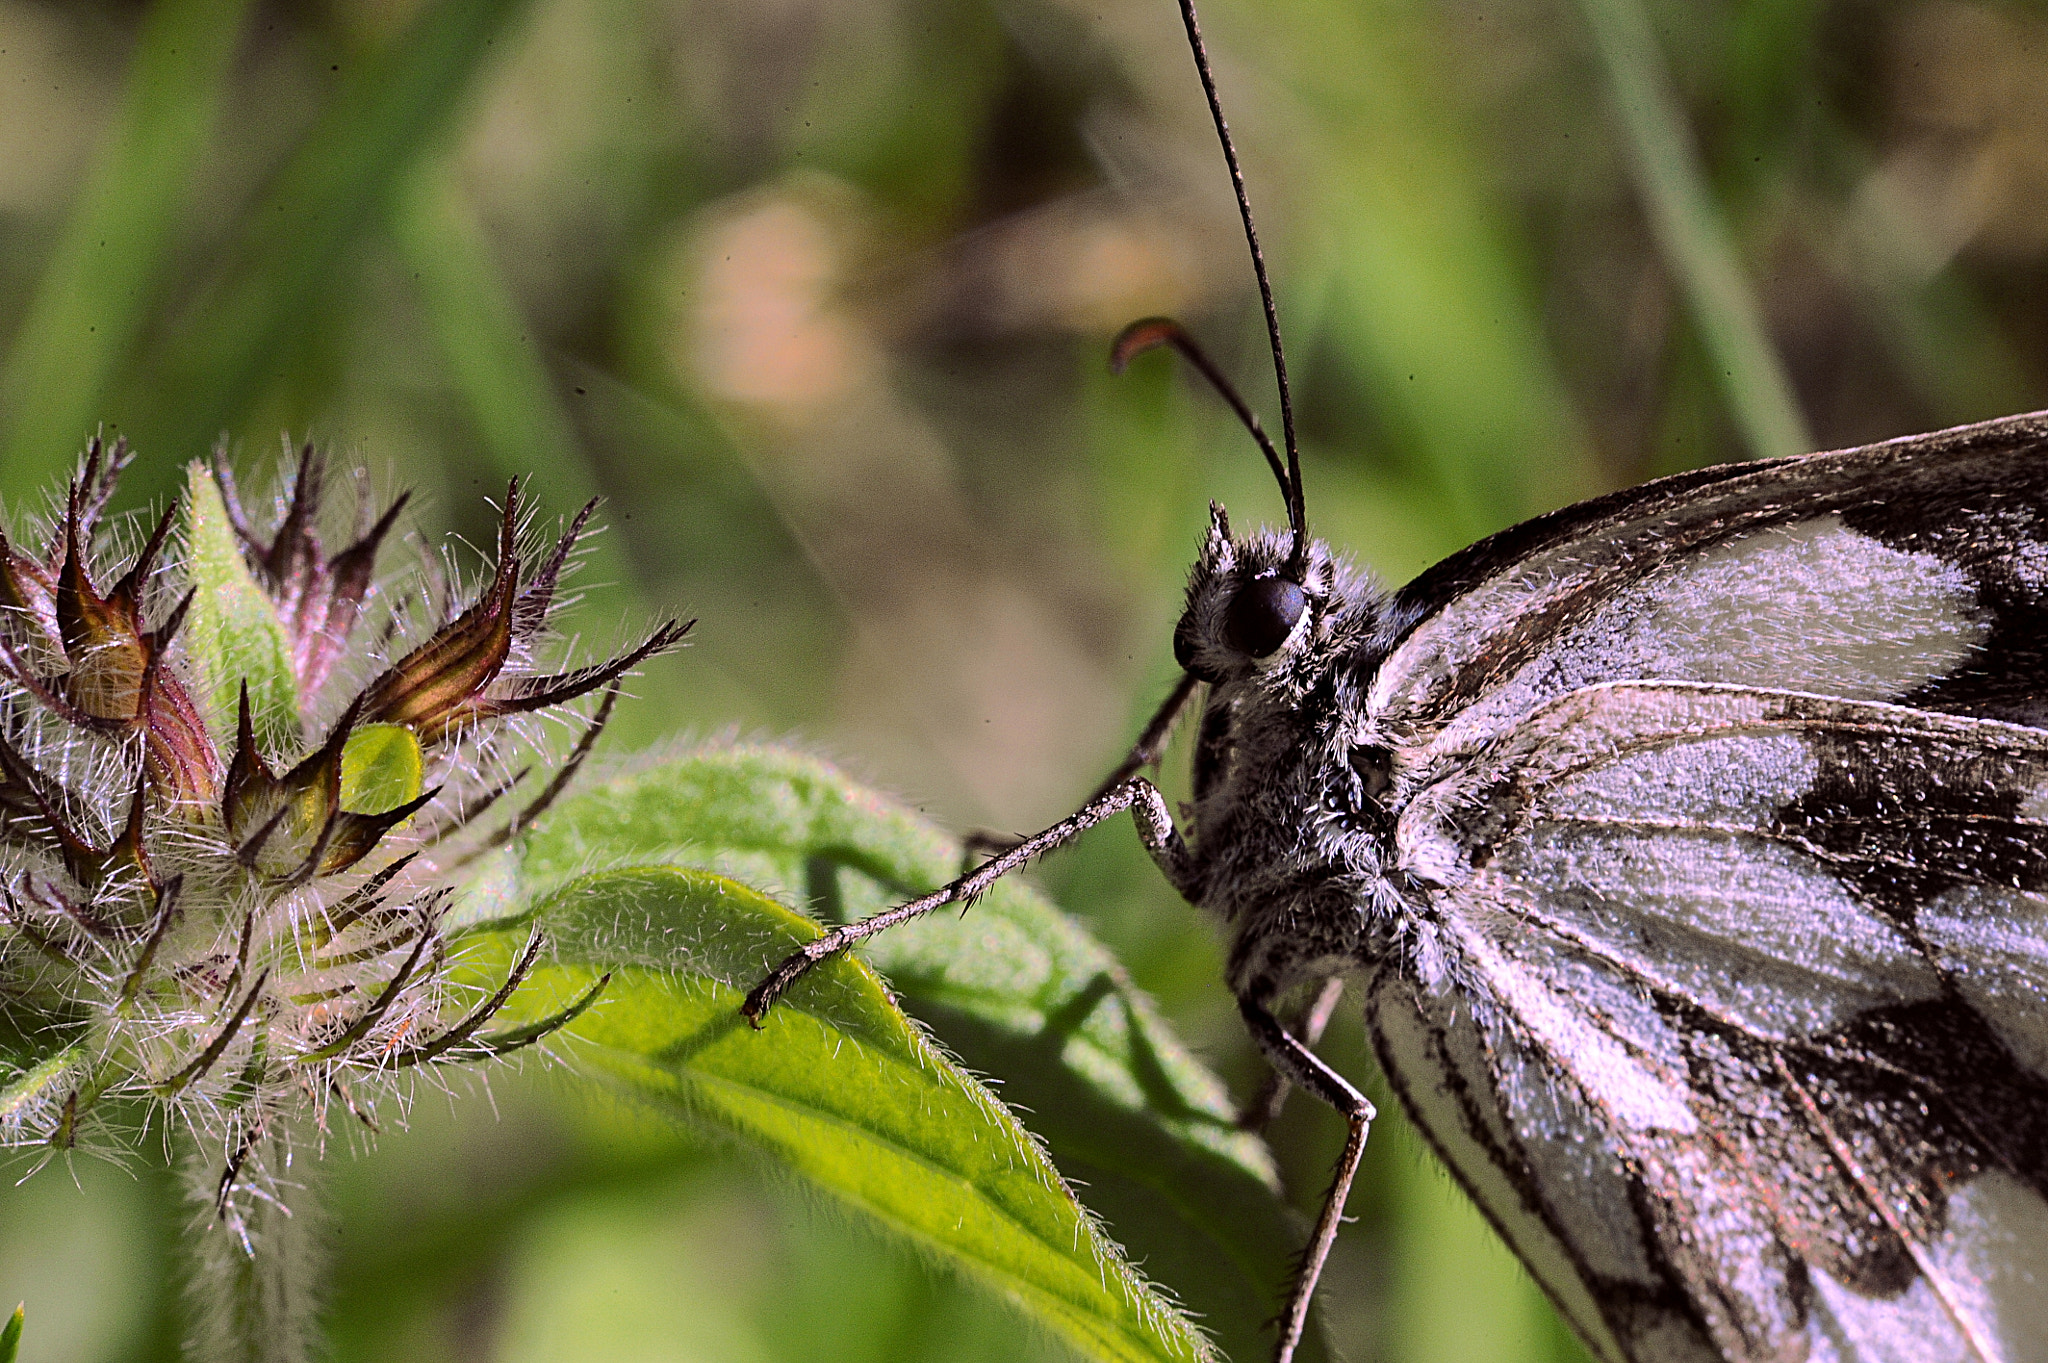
232, 633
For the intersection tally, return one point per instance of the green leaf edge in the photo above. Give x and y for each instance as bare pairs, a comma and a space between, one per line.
846, 997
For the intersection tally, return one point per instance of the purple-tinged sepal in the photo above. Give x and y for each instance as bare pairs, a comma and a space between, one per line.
233, 859
460, 678
319, 600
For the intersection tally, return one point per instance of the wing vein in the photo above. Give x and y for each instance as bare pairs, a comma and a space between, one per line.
1937, 1281
1804, 845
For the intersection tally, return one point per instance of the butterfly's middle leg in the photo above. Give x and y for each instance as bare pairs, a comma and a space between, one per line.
1303, 1068
1146, 752
1264, 1108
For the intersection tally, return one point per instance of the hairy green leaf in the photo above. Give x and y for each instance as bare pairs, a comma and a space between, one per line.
838, 1089
1016, 989
232, 634
10, 1335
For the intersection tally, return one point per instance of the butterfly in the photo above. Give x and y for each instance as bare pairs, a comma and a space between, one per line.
1689, 848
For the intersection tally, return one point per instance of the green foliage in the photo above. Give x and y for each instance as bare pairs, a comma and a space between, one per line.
1017, 991
491, 356
39, 1078
381, 769
1523, 255
10, 1334
342, 176
109, 271
1667, 169
841, 1092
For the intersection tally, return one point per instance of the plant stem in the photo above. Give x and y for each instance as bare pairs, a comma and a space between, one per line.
255, 1259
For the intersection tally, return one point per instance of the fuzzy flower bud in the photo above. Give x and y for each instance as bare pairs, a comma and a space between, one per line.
239, 781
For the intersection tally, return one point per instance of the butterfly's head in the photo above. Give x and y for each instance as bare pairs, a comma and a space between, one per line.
1252, 603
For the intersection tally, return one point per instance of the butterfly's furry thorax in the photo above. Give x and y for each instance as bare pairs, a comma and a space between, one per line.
1291, 819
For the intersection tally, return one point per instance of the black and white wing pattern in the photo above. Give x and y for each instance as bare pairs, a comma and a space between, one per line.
1728, 804
1913, 571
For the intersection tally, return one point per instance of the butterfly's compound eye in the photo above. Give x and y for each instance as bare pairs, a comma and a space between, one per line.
1184, 644
1262, 614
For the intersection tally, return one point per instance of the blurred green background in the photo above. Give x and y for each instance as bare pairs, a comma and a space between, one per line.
816, 293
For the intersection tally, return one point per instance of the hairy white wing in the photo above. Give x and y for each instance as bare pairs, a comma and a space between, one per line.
1540, 1164
1740, 1038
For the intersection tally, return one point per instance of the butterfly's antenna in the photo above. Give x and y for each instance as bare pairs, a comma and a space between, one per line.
1149, 333
1297, 510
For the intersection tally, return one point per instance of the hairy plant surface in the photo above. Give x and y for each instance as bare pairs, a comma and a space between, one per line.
241, 777
283, 833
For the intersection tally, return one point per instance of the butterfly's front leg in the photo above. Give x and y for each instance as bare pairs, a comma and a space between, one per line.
1302, 1067
1146, 752
1156, 831
1141, 797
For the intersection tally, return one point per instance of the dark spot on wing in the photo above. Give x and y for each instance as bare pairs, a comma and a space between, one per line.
1759, 1171
1907, 817
1998, 535
1969, 1095
1921, 1097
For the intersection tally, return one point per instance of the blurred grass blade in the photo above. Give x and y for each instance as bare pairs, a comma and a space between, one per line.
840, 1091
488, 345
338, 183
1421, 293
1690, 234
1015, 988
104, 278
512, 398
10, 1336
